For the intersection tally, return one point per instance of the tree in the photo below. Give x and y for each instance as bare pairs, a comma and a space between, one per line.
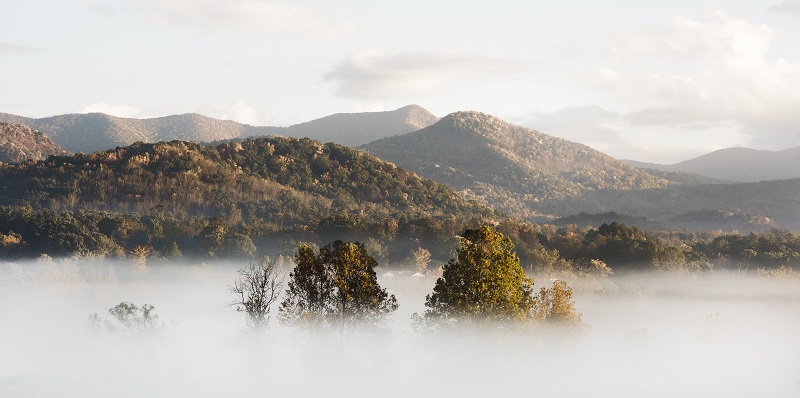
555, 306
335, 286
256, 289
421, 257
483, 284
131, 320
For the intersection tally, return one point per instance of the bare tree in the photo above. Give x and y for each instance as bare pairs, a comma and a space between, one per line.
256, 289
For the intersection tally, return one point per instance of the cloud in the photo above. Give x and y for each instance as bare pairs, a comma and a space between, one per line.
254, 15
788, 6
14, 49
591, 125
113, 110
615, 134
723, 36
373, 74
726, 80
237, 110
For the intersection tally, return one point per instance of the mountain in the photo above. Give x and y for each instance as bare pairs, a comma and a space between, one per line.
19, 143
96, 131
508, 167
738, 164
353, 129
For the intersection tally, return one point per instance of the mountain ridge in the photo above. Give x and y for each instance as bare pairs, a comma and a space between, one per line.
727, 164
90, 132
506, 166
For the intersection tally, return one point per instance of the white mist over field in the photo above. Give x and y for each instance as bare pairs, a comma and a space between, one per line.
731, 334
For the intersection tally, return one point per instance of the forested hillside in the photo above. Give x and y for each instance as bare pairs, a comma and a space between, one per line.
257, 191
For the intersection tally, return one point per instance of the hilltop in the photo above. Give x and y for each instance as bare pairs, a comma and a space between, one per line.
508, 167
19, 143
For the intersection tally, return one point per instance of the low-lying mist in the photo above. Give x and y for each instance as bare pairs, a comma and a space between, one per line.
708, 333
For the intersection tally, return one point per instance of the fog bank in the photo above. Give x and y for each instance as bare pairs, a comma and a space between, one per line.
704, 334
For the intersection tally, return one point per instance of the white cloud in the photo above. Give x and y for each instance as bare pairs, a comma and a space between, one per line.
9, 48
113, 110
256, 15
374, 74
788, 6
238, 110
614, 134
714, 75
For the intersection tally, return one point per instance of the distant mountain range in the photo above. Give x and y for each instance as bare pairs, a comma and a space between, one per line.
19, 143
508, 167
737, 165
353, 129
96, 131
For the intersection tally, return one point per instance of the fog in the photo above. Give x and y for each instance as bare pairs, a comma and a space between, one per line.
732, 334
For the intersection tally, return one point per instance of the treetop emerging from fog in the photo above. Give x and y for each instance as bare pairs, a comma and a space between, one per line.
484, 283
335, 286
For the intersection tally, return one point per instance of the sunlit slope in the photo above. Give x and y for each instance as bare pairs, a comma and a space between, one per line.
509, 167
19, 143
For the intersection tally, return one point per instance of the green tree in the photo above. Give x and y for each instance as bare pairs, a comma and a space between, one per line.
483, 284
335, 286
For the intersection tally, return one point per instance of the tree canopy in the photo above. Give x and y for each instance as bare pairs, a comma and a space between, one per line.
336, 285
483, 283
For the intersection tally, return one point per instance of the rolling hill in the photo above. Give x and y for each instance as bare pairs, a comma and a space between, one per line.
19, 143
737, 164
508, 167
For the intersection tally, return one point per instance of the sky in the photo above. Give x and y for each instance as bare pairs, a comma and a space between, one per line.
651, 81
